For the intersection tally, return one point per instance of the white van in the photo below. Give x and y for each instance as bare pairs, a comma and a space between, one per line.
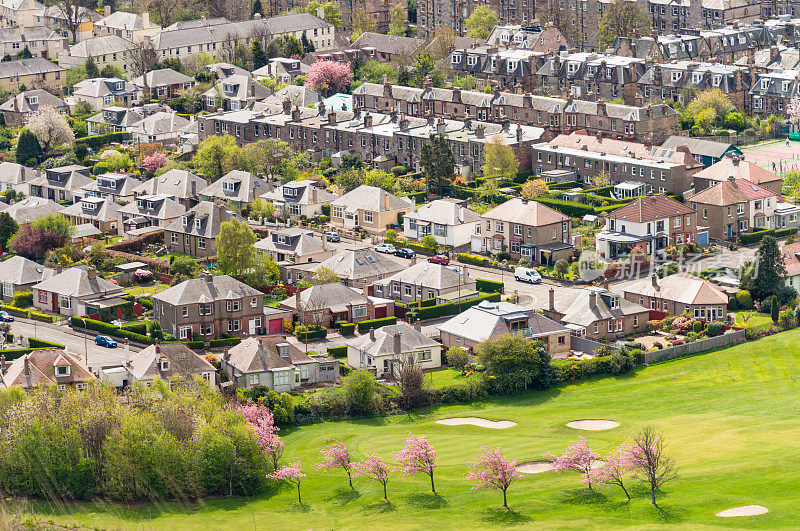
526, 274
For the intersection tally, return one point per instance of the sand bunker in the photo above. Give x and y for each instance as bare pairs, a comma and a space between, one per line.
476, 421
592, 424
744, 510
534, 467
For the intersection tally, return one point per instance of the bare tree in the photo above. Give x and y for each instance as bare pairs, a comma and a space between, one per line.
228, 48
71, 14
163, 11
562, 18
650, 460
411, 382
144, 57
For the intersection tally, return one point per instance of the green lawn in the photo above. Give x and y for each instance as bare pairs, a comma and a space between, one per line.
730, 419
747, 319
149, 289
443, 378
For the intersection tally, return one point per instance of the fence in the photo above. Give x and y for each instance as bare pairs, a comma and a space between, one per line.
741, 140
731, 338
585, 345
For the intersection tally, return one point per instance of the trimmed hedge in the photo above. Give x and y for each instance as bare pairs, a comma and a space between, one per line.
417, 196
749, 238
780, 233
97, 141
488, 286
337, 352
109, 329
314, 332
418, 247
347, 329
196, 345
568, 208
424, 303
376, 323
41, 343
13, 310
472, 259
225, 342
47, 318
450, 308
136, 328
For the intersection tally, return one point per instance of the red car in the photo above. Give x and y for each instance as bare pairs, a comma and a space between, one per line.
439, 259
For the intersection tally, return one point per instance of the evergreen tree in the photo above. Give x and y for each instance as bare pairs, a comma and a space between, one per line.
24, 54
259, 56
308, 47
771, 270
439, 163
29, 152
91, 69
7, 228
257, 8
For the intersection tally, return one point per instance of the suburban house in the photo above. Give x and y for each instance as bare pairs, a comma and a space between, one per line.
172, 362
282, 69
150, 211
370, 208
114, 119
114, 186
490, 319
234, 93
525, 229
104, 51
652, 223
326, 304
195, 233
160, 127
389, 348
103, 92
355, 268
447, 220
20, 13
787, 215
272, 362
791, 261
179, 185
595, 313
732, 207
21, 274
130, 26
299, 198
23, 74
101, 213
61, 184
294, 244
678, 293
210, 306
163, 84
238, 188
43, 368
739, 169
18, 109
707, 152
30, 208
83, 19
425, 280
16, 177
76, 291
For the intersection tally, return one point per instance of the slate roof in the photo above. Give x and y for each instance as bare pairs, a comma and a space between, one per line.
107, 44
125, 21
354, 264
180, 184
160, 123
144, 365
298, 96
162, 77
332, 296
247, 187
19, 271
296, 244
260, 354
392, 44
165, 208
684, 288
22, 102
104, 209
38, 369
211, 215
195, 290
574, 305
27, 67
488, 319
699, 146
30, 208
12, 173
428, 275
306, 192
443, 212
383, 344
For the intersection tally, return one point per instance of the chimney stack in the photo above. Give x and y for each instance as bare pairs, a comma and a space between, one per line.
397, 344
654, 280
287, 106
146, 19
552, 300
296, 114
91, 273
372, 334
106, 10
592, 299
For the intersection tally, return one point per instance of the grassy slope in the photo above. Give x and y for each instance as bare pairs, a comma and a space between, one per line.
730, 419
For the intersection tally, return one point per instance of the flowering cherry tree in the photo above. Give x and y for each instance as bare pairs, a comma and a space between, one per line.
291, 473
375, 469
578, 456
328, 77
618, 463
260, 419
417, 456
155, 161
490, 470
336, 455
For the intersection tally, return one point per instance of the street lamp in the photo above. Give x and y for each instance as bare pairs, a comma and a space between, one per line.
86, 345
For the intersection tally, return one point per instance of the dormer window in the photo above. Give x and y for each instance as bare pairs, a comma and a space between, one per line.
697, 78
764, 84
229, 186
87, 205
455, 58
676, 76
151, 205
198, 223
140, 203
33, 100
164, 365
185, 220
62, 370
227, 87
572, 68
614, 302
785, 86
716, 80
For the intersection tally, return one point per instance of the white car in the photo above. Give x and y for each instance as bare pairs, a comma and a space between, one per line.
526, 274
385, 248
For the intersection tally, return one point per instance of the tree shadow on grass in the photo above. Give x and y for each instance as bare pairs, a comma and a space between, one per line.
344, 495
503, 517
298, 508
584, 497
670, 514
426, 500
380, 507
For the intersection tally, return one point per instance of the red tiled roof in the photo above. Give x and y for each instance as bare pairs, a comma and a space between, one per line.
791, 258
732, 192
582, 140
650, 208
738, 169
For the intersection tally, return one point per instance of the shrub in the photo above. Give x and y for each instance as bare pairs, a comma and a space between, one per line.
337, 352
196, 345
40, 343
13, 310
472, 259
715, 328
376, 323
347, 329
457, 357
697, 326
786, 319
450, 308
303, 332
137, 328
469, 391
360, 391
488, 286
22, 299
227, 342
620, 363
744, 300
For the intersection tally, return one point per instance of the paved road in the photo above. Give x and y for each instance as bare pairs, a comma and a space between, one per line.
75, 343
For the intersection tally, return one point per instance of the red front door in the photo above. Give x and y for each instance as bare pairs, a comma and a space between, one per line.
55, 302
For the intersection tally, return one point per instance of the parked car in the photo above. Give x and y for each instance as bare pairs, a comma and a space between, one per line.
6, 317
387, 248
332, 236
105, 341
405, 252
526, 274
439, 259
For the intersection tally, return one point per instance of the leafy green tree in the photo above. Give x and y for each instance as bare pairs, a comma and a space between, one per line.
619, 19
398, 19
712, 99
112, 70
55, 224
481, 22
236, 255
439, 163
561, 267
257, 9
430, 242
257, 53
488, 190
332, 11
90, 68
381, 179
705, 119
7, 228
216, 156
261, 209
265, 156
514, 363
425, 66
351, 161
361, 21
29, 152
771, 269
184, 265
360, 390
500, 161
323, 275
736, 121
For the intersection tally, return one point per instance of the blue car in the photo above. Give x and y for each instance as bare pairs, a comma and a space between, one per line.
404, 252
6, 317
105, 341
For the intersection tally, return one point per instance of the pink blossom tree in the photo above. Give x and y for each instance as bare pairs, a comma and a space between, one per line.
618, 463
336, 455
578, 456
290, 473
490, 470
261, 421
417, 456
375, 469
154, 161
328, 77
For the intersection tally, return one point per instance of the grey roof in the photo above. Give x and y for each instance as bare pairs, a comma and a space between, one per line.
303, 192
144, 365
107, 44
444, 212
246, 187
211, 217
383, 344
429, 275
298, 96
489, 319
574, 305
28, 67
85, 230
180, 184
161, 78
709, 148
125, 21
371, 198
75, 282
332, 296
295, 244
354, 264
101, 86
29, 34
160, 123
245, 88
118, 184
73, 182
392, 44
12, 173
163, 208
197, 290
260, 354
93, 208
19, 271
30, 208
22, 102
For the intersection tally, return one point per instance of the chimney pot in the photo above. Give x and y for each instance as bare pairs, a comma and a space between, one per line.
372, 334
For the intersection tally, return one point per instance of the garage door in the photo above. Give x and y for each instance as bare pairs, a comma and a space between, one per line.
380, 311
275, 326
